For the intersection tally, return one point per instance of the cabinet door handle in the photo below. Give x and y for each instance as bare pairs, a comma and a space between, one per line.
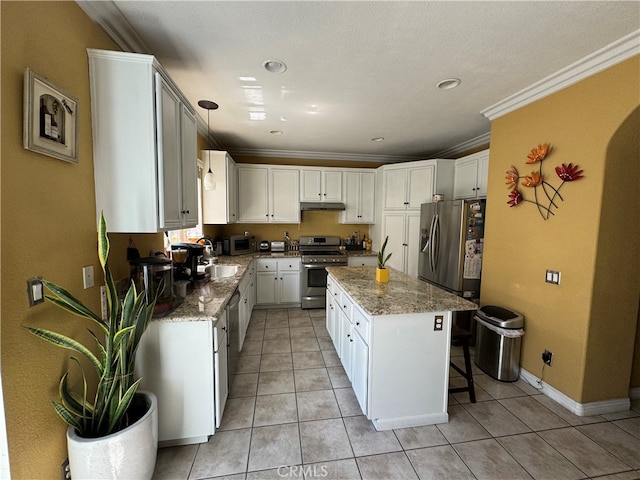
281, 278
325, 194
185, 212
357, 324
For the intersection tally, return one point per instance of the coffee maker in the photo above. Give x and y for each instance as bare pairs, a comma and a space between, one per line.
186, 257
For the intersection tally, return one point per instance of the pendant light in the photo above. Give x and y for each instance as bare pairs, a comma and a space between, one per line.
209, 178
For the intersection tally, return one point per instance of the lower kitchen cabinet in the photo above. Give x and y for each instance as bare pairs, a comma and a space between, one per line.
247, 289
180, 364
277, 281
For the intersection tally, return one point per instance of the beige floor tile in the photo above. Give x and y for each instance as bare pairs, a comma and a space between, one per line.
326, 343
251, 348
388, 466
496, 388
270, 383
347, 401
324, 440
174, 462
274, 446
366, 440
317, 405
308, 344
338, 377
282, 472
420, 437
496, 419
331, 358
275, 409
539, 458
277, 322
254, 335
566, 415
439, 462
311, 379
300, 322
279, 333
461, 427
302, 332
277, 313
533, 414
275, 346
244, 385
307, 360
248, 364
336, 470
317, 313
487, 459
583, 452
615, 440
224, 454
238, 413
276, 362
630, 425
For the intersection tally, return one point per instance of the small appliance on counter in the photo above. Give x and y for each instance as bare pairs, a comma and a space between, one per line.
147, 273
277, 246
186, 258
265, 246
238, 244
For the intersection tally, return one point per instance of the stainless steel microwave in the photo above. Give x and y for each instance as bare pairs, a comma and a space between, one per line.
237, 244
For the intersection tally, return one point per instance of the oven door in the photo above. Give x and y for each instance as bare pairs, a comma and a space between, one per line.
313, 283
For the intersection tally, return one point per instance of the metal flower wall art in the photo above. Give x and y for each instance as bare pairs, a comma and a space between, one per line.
550, 196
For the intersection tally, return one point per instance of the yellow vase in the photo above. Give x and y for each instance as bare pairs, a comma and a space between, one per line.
382, 275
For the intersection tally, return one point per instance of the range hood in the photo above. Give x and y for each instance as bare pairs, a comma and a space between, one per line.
321, 206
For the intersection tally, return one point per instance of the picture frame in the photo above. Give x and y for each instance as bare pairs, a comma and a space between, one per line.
50, 115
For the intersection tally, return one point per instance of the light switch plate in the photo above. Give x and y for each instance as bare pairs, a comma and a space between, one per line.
35, 291
553, 277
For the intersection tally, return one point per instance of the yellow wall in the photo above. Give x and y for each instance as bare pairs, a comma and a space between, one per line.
589, 320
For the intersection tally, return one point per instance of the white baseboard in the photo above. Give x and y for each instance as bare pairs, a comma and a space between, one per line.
634, 393
580, 409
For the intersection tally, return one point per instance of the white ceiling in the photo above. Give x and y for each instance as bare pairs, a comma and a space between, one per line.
360, 69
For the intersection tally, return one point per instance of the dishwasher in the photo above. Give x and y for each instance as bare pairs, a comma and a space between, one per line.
233, 337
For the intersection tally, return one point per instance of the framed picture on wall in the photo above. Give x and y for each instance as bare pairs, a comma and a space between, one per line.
50, 124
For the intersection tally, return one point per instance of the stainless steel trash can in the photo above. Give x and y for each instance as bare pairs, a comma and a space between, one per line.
498, 341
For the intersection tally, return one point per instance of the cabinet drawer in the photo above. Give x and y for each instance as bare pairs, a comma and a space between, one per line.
346, 304
267, 265
361, 323
288, 265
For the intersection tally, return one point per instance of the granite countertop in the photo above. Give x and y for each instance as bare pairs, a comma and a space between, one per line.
401, 295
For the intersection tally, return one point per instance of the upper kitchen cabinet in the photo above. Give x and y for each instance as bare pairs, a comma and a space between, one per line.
268, 194
144, 145
320, 185
406, 186
220, 206
471, 176
359, 197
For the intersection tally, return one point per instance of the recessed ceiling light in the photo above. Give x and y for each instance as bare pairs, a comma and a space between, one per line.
247, 79
377, 139
275, 66
448, 84
275, 132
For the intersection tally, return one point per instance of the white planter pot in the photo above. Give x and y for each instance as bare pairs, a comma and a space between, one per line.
127, 454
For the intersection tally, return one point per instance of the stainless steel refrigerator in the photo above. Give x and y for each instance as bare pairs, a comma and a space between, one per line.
451, 245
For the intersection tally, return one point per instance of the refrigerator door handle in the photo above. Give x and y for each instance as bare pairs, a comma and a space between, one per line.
435, 243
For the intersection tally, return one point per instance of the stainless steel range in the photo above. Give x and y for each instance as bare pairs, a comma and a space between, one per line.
316, 254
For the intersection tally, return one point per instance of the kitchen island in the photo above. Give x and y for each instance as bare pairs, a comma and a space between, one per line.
394, 343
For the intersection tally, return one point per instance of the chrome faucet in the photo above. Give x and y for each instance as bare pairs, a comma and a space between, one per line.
210, 250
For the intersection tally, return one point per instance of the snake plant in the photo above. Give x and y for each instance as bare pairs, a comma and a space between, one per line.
107, 412
381, 258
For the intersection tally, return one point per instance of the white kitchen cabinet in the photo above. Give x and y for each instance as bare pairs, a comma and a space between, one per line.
321, 185
360, 369
268, 194
144, 145
403, 230
277, 281
246, 288
220, 206
407, 186
177, 362
359, 197
471, 174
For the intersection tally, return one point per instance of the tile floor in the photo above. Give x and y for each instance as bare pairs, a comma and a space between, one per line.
291, 413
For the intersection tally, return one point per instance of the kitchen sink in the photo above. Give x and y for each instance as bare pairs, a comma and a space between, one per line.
222, 271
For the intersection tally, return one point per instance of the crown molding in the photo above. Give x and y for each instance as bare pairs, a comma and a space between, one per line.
614, 53
107, 15
307, 155
479, 141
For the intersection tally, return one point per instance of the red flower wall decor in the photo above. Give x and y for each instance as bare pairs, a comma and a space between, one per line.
566, 173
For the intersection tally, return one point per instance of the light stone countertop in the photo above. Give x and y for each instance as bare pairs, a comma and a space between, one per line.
401, 295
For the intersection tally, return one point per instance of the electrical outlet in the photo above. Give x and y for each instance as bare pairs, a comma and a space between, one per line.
546, 357
552, 277
65, 471
438, 323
